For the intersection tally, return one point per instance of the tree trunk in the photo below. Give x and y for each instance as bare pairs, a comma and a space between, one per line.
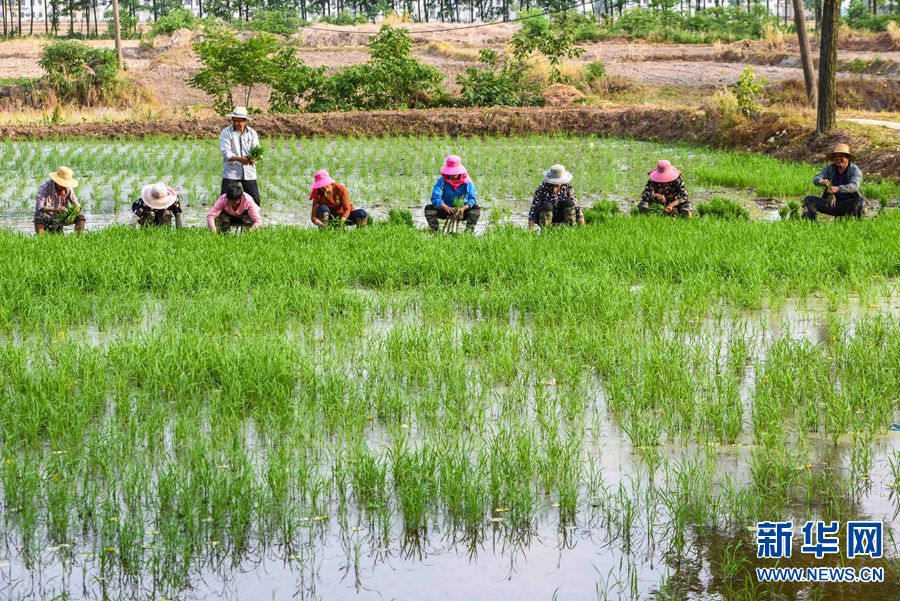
117, 32
809, 75
831, 15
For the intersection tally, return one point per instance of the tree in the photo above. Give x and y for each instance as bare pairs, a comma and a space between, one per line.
809, 74
229, 63
828, 32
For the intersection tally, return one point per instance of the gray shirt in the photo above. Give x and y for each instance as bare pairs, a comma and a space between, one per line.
847, 182
234, 144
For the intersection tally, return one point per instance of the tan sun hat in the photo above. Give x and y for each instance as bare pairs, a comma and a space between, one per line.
557, 175
63, 177
158, 196
841, 149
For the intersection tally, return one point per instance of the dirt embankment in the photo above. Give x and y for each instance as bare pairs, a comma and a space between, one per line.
772, 134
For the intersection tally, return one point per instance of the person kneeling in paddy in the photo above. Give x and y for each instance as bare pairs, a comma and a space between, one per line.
158, 205
453, 196
841, 180
666, 187
554, 201
235, 208
56, 205
331, 200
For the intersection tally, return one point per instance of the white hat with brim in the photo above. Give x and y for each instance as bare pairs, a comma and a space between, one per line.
239, 112
158, 196
557, 175
64, 177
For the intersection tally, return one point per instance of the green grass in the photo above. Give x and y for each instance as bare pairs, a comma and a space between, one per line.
173, 400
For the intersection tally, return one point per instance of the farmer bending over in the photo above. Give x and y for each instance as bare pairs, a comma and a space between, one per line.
666, 187
453, 196
554, 200
234, 208
54, 197
841, 180
331, 200
157, 206
235, 142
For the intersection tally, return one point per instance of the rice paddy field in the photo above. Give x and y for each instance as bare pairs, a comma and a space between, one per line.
595, 413
384, 173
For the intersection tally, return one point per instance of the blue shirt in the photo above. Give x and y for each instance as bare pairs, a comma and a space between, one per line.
444, 192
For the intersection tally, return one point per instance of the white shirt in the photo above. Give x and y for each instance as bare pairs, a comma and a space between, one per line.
233, 144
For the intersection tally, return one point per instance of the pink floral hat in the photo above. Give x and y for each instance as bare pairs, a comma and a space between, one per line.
453, 166
664, 173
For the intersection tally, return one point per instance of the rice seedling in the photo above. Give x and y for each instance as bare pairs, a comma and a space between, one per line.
637, 389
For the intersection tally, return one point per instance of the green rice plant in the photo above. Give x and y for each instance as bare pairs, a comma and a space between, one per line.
256, 153
600, 211
401, 217
69, 214
722, 208
790, 211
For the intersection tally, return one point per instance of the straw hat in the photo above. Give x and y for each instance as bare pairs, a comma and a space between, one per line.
841, 149
63, 177
453, 166
557, 175
239, 112
321, 179
664, 173
158, 196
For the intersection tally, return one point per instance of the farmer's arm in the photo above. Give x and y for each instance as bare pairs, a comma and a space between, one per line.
134, 221
344, 197
579, 214
74, 199
214, 212
681, 195
254, 216
647, 194
314, 216
471, 195
852, 186
536, 202
437, 193
176, 210
824, 177
177, 221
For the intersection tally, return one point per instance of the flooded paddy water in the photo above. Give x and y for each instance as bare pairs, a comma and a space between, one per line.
648, 522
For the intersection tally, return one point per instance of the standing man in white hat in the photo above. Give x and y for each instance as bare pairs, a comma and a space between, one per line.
157, 205
54, 198
235, 143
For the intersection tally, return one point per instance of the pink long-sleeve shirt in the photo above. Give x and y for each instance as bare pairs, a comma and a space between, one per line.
247, 206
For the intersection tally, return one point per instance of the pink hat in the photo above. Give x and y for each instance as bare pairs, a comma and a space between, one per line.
664, 173
321, 179
453, 166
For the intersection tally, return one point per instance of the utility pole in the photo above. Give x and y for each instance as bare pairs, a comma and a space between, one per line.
118, 29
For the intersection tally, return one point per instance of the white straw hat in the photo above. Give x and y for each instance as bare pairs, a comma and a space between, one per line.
240, 112
557, 175
158, 196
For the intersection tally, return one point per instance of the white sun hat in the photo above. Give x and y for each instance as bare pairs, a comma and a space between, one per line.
240, 112
158, 196
557, 175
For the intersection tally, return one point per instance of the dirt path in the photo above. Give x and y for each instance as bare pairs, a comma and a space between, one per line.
876, 122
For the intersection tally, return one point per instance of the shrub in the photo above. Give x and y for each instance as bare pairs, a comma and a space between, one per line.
748, 91
594, 71
601, 211
279, 21
859, 16
294, 85
502, 82
723, 208
176, 19
78, 73
536, 35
